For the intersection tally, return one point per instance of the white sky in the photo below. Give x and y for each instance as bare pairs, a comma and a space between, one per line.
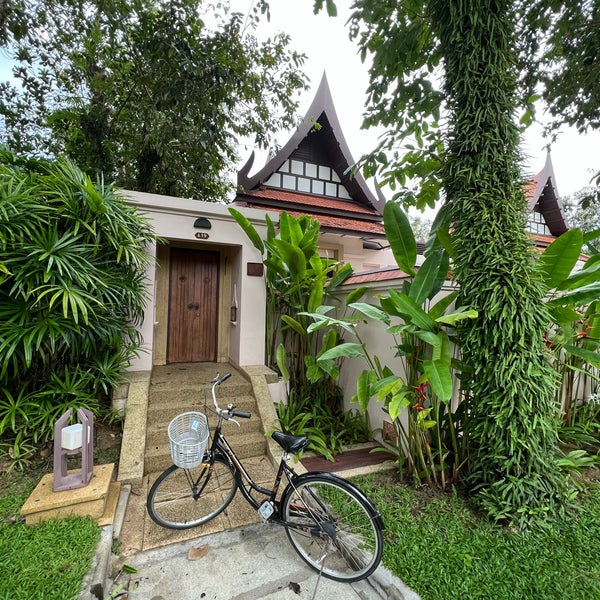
325, 41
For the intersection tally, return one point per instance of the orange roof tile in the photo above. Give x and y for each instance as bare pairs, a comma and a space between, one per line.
338, 223
311, 201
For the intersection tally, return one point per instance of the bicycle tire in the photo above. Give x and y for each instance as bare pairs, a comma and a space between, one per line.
171, 502
353, 527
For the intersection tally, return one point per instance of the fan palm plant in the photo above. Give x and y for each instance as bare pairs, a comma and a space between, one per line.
72, 265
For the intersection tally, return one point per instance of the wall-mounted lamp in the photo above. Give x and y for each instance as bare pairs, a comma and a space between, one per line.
202, 223
234, 306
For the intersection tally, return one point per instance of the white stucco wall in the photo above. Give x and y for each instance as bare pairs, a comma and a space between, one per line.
173, 220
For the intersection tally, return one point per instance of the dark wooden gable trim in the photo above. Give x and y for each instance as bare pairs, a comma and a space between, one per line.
324, 142
544, 196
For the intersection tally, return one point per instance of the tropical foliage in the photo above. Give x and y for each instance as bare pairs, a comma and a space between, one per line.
563, 68
416, 390
298, 282
463, 57
154, 95
72, 295
573, 339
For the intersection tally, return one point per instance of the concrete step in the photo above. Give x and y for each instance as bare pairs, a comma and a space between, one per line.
163, 412
197, 377
158, 456
175, 391
179, 388
158, 435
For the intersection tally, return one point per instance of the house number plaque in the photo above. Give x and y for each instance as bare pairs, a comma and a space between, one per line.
200, 235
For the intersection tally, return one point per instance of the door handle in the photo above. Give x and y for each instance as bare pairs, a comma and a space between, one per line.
193, 306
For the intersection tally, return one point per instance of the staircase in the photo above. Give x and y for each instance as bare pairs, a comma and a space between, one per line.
183, 387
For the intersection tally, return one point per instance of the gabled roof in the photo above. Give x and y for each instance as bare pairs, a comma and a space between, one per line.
542, 197
312, 175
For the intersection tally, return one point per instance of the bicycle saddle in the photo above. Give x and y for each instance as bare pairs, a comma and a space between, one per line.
290, 443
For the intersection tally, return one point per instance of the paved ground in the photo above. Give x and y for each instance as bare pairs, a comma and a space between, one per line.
249, 563
224, 560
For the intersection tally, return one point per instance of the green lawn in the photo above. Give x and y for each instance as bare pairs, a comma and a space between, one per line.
434, 543
443, 551
46, 561
42, 562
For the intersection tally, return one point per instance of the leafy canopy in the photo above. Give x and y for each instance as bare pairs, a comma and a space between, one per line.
154, 95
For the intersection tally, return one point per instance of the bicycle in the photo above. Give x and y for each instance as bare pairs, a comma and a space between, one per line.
329, 522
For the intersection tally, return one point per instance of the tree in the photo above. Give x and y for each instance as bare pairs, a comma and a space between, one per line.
583, 210
73, 264
471, 47
561, 47
146, 93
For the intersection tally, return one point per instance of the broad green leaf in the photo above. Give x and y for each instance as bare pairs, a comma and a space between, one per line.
581, 278
400, 236
363, 388
370, 311
439, 377
459, 315
248, 229
445, 239
578, 297
293, 324
397, 403
433, 339
330, 367
388, 386
316, 296
346, 350
590, 236
341, 275
329, 339
356, 295
439, 308
443, 352
563, 314
292, 257
411, 311
559, 258
425, 279
591, 357
281, 362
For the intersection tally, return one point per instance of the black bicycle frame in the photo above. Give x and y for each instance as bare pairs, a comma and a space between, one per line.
221, 447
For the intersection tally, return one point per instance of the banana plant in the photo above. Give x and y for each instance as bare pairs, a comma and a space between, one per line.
298, 282
416, 390
572, 285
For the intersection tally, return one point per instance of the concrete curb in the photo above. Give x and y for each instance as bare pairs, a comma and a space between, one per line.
96, 583
387, 585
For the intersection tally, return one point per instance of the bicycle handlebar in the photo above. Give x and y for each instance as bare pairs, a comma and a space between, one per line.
229, 412
241, 415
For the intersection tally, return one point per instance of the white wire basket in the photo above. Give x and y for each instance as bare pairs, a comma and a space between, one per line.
188, 434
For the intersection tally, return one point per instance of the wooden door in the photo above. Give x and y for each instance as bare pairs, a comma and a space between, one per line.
193, 306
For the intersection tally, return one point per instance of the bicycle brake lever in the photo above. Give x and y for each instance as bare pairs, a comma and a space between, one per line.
234, 422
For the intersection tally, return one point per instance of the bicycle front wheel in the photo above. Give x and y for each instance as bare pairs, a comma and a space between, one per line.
333, 527
184, 498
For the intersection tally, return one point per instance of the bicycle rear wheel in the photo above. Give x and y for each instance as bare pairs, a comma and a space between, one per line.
334, 528
184, 498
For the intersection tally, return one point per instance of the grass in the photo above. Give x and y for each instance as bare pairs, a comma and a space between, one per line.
443, 550
41, 562
46, 561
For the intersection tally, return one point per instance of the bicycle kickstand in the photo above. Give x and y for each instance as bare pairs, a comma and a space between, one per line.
322, 563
